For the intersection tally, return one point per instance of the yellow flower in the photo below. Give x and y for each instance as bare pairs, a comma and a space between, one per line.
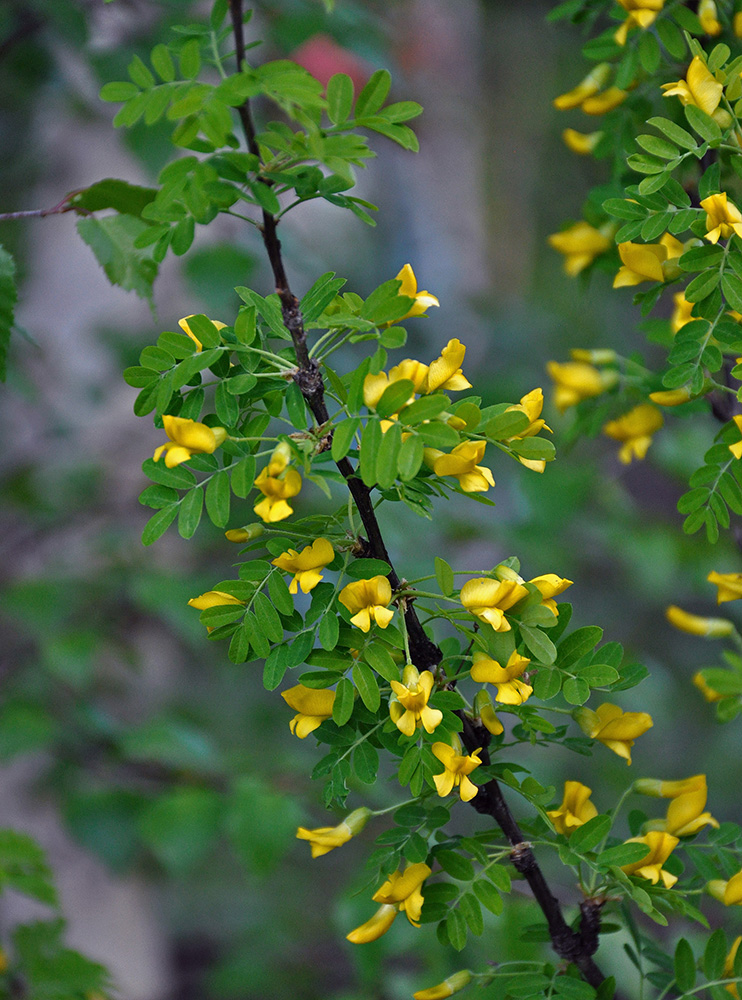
324, 839
646, 261
212, 599
642, 13
402, 892
708, 692
423, 300
484, 708
659, 847
729, 586
457, 768
185, 327
582, 143
277, 482
681, 313
728, 972
707, 17
685, 815
462, 464
671, 397
723, 218
187, 437
409, 708
576, 808
306, 565
445, 372
575, 381
312, 705
613, 727
489, 599
550, 586
729, 893
510, 690
445, 989
711, 628
374, 386
595, 79
699, 87
635, 429
367, 601
737, 24
580, 244
531, 404
736, 448
607, 101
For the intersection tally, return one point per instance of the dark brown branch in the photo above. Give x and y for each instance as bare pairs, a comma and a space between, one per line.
570, 945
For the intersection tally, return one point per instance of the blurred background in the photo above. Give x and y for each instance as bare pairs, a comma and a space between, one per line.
130, 746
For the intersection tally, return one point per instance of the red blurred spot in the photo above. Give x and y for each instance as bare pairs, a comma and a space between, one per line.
323, 57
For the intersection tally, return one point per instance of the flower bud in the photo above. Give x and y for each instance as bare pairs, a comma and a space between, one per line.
599, 356
447, 988
503, 572
671, 397
484, 708
710, 628
246, 534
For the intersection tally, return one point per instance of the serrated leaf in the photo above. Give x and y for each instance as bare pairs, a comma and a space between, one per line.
111, 239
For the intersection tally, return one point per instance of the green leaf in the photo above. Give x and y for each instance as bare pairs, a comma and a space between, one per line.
178, 477
279, 594
269, 621
217, 499
364, 569
438, 435
190, 59
547, 684
366, 685
702, 285
339, 98
539, 644
685, 966
118, 91
366, 762
576, 691
623, 854
425, 408
381, 660
387, 456
671, 37
140, 74
703, 124
342, 708
599, 675
189, 514
128, 199
456, 865
622, 208
373, 95
370, 443
410, 457
162, 63
577, 643
714, 954
112, 241
674, 132
243, 476
329, 631
444, 576
488, 896
456, 930
276, 664
159, 523
731, 287
8, 296
472, 911
506, 425
23, 867
342, 437
589, 835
